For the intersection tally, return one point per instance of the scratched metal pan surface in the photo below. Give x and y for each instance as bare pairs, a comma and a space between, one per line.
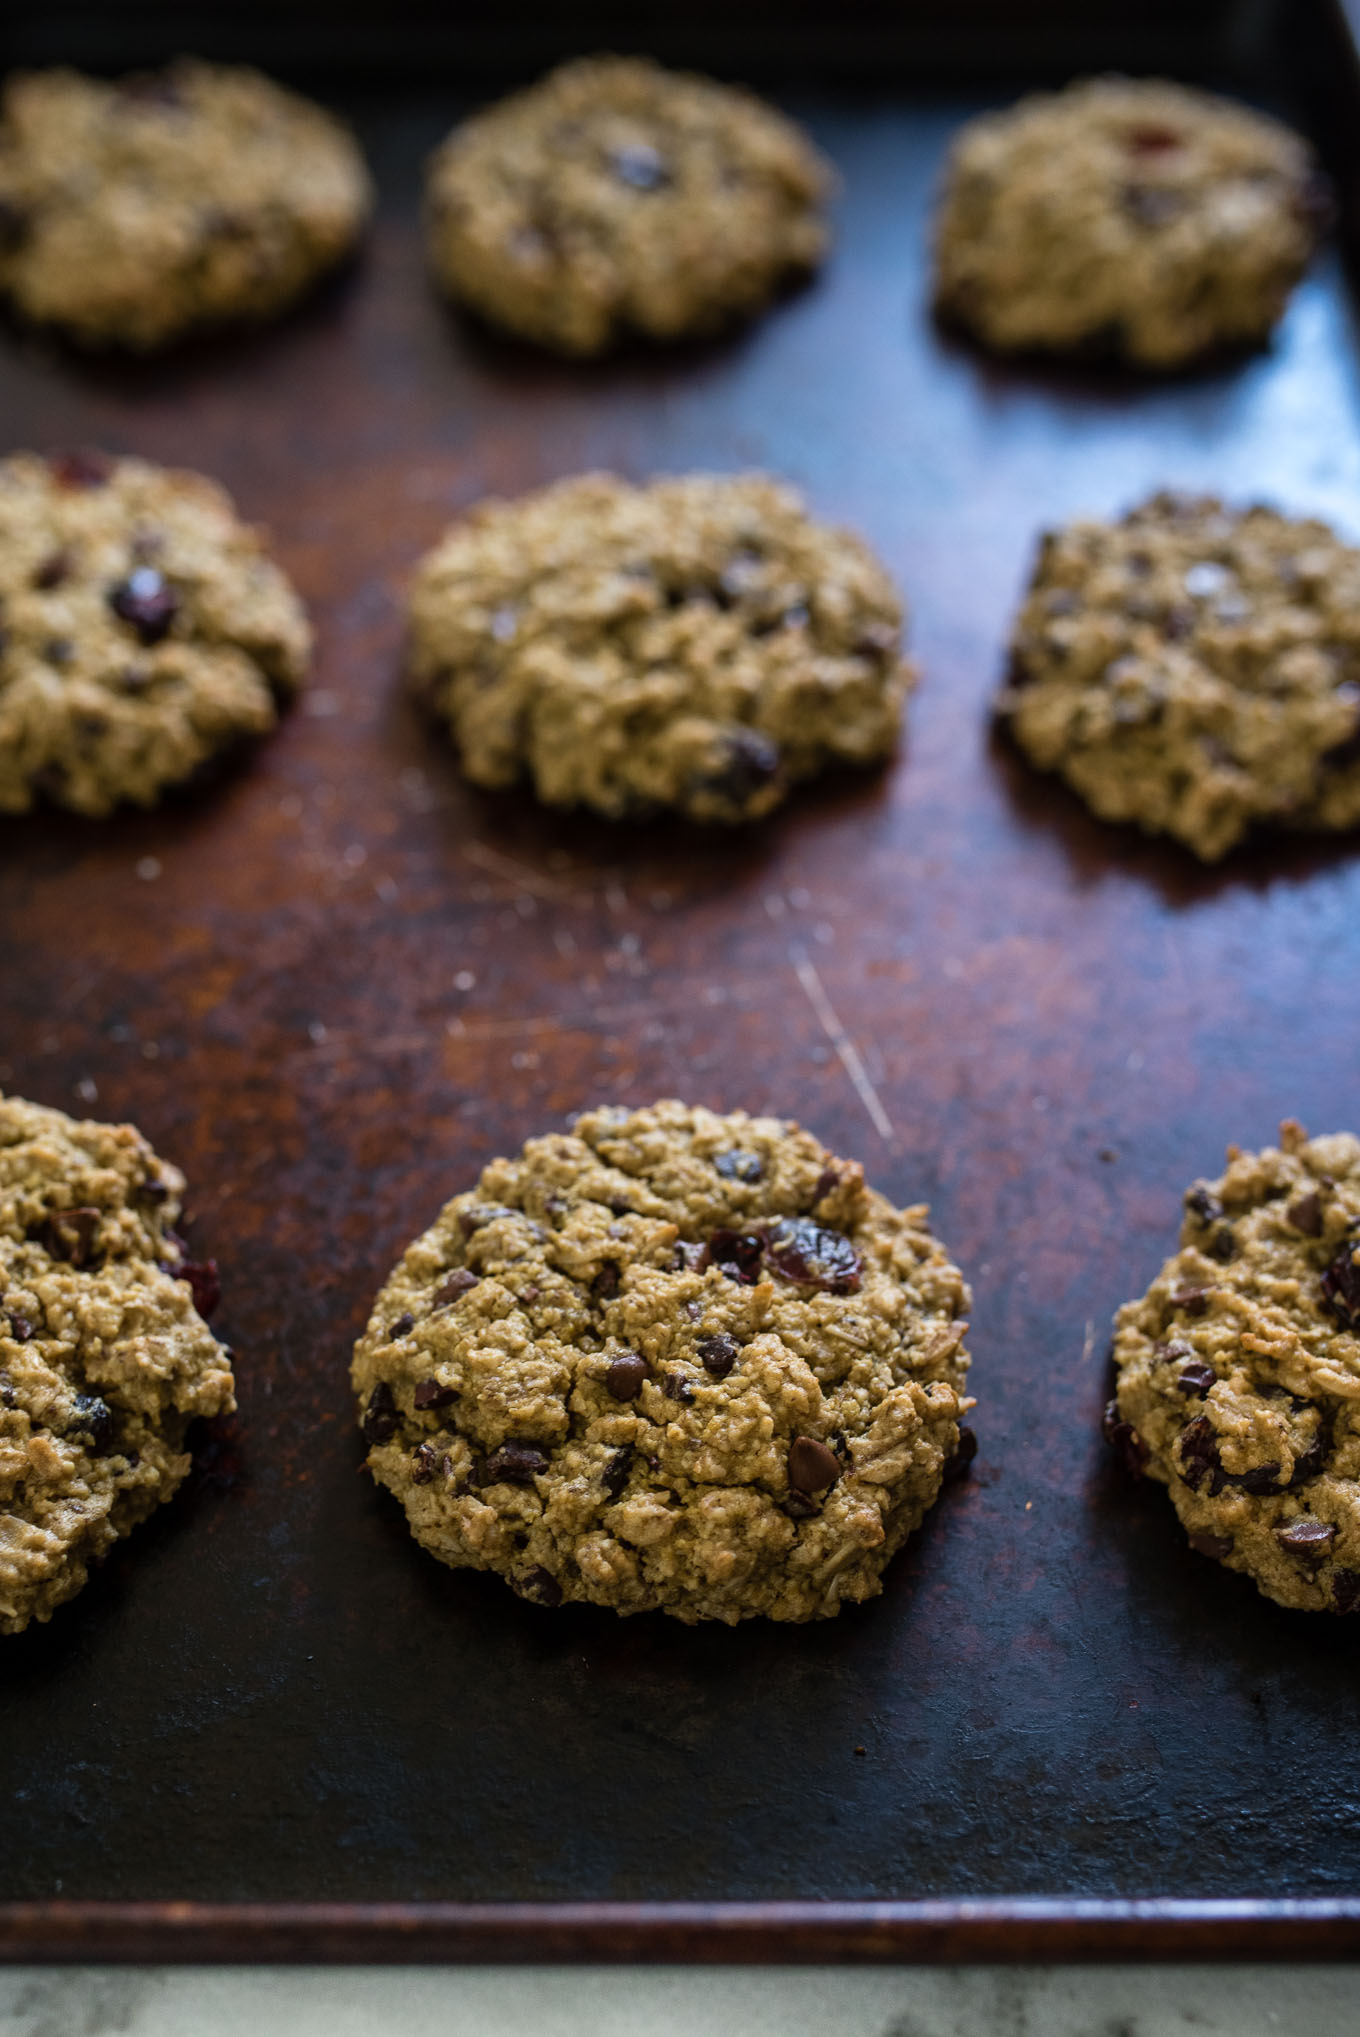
336, 983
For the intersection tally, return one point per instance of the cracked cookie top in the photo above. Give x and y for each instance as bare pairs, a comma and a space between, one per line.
1239, 1371
1126, 217
144, 630
1194, 669
616, 196
105, 1356
669, 1359
132, 211
699, 643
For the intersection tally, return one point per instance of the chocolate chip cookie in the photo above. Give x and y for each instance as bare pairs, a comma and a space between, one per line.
1239, 1371
145, 630
1194, 669
1125, 217
618, 197
130, 212
670, 1360
697, 644
105, 1356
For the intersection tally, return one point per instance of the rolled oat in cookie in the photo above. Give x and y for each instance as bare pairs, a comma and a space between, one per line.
132, 211
617, 197
670, 1360
1125, 217
145, 630
698, 644
1239, 1371
1194, 669
105, 1357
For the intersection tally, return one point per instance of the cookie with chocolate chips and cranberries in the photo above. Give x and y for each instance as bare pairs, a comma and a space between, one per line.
673, 1361
145, 630
130, 212
618, 197
1125, 217
105, 1354
1195, 670
1239, 1371
699, 644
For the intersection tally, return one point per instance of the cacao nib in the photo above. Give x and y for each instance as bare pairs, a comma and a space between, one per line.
718, 1354
1306, 1538
1306, 1215
146, 602
1341, 1286
380, 1418
956, 1467
1123, 1437
517, 1463
402, 1326
458, 1282
736, 1254
626, 1375
738, 1165
430, 1393
1195, 1378
539, 1585
93, 1416
813, 1467
811, 1256
615, 1475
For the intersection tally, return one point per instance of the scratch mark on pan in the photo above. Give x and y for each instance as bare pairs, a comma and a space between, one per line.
505, 867
815, 991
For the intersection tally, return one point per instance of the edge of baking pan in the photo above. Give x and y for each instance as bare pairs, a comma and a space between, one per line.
992, 1930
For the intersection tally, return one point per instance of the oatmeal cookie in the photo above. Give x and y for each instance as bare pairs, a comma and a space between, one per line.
1125, 217
616, 196
144, 630
1239, 1371
670, 1360
105, 1356
1194, 669
130, 212
697, 644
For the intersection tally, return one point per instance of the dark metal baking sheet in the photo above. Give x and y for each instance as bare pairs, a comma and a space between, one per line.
269, 1696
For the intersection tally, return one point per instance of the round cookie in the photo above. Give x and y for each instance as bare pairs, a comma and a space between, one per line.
130, 212
145, 630
670, 1361
105, 1357
616, 197
697, 644
1195, 670
1125, 217
1239, 1371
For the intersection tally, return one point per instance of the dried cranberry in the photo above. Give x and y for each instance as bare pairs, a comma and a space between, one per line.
146, 602
458, 1283
431, 1394
1198, 1448
811, 1256
516, 1463
1341, 1286
1123, 1437
95, 1417
1152, 138
738, 1165
83, 469
718, 1354
736, 1254
828, 1179
380, 1418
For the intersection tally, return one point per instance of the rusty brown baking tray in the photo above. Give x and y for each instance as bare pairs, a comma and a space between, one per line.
335, 983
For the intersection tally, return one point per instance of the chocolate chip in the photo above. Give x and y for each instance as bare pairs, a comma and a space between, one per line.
402, 1326
811, 1256
539, 1585
424, 1463
639, 165
1199, 1459
204, 1282
812, 1466
1262, 1478
1306, 1538
517, 1463
55, 568
146, 602
458, 1282
380, 1419
1203, 1205
431, 1393
624, 1379
750, 761
799, 1506
615, 1474
153, 1191
1306, 1215
473, 1218
1194, 1301
956, 1467
85, 468
718, 1354
1346, 1590
736, 1254
1310, 1462
605, 1285
738, 1165
6, 1391
95, 1417
1195, 1378
1123, 1437
1217, 1546
675, 1386
1174, 1347
1341, 1286
67, 1234
15, 225
20, 1328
